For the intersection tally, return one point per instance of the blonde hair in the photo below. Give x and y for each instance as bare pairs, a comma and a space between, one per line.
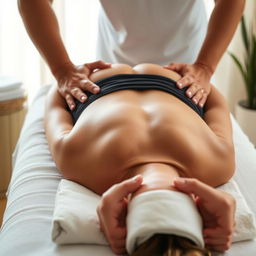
170, 245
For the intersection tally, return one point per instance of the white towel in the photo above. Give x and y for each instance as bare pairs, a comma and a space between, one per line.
245, 219
173, 213
75, 219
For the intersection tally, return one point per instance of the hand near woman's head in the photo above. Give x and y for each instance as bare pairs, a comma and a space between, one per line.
112, 212
74, 80
217, 209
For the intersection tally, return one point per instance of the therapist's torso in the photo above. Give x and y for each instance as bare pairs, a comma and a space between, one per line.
154, 31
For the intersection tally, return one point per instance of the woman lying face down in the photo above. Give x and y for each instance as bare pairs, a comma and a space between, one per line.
141, 123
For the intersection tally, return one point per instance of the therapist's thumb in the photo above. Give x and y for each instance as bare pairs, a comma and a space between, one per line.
97, 65
194, 186
130, 186
124, 188
174, 66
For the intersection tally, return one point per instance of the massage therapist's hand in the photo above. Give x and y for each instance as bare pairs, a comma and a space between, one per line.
217, 209
112, 212
73, 81
196, 77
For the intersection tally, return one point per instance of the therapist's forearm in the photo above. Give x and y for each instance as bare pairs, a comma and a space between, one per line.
42, 26
222, 25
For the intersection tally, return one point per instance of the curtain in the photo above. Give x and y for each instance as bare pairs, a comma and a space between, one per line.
78, 21
20, 59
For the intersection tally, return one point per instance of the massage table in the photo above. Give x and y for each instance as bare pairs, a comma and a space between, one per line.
31, 194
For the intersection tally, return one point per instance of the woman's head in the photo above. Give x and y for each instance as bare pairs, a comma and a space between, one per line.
163, 212
169, 245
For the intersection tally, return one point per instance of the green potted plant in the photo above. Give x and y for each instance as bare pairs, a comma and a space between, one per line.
246, 108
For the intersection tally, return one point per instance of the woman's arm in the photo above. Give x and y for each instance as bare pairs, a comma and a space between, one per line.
58, 123
217, 116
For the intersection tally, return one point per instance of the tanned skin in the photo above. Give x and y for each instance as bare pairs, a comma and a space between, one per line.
147, 132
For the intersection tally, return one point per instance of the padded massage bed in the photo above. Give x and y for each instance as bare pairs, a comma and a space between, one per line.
27, 220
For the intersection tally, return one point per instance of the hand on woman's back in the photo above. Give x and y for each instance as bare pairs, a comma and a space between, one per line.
73, 81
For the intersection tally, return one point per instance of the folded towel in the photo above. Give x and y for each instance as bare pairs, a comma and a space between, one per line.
174, 213
245, 219
75, 219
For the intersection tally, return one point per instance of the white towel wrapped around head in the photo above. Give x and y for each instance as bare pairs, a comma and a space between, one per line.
162, 212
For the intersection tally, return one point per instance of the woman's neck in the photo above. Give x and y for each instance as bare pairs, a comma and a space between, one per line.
156, 176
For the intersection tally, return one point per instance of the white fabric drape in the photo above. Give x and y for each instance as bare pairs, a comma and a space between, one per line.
78, 22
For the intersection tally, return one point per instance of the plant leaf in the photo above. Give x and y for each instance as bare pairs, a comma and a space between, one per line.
253, 70
245, 35
239, 65
251, 74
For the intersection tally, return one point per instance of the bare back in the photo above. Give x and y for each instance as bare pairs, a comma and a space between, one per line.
122, 131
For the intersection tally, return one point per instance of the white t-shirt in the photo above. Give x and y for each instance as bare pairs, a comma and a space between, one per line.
155, 31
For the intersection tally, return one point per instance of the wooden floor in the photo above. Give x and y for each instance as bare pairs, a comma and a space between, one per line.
2, 208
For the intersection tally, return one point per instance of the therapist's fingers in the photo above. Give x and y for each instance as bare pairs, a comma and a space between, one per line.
84, 82
88, 85
112, 212
216, 237
118, 246
70, 101
181, 68
218, 248
109, 223
121, 190
196, 187
186, 81
198, 96
216, 206
175, 66
192, 90
119, 251
78, 94
218, 232
113, 205
97, 65
203, 99
218, 240
73, 81
73, 89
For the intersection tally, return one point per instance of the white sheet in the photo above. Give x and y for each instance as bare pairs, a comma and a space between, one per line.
27, 221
